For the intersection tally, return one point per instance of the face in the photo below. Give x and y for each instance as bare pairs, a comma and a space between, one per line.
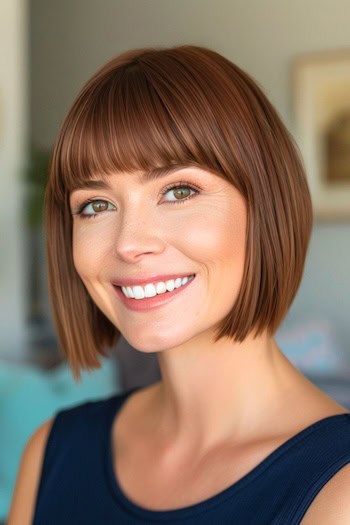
187, 222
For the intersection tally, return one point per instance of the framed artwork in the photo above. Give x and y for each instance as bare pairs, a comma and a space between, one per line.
321, 107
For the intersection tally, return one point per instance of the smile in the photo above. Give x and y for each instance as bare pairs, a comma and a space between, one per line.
150, 290
152, 298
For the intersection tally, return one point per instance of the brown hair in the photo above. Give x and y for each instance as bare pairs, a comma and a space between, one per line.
187, 105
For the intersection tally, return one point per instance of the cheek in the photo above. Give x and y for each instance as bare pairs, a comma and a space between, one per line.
89, 250
220, 238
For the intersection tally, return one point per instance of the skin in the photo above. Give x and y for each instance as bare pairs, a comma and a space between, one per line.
210, 393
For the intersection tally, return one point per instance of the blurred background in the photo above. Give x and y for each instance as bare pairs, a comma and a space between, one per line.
298, 52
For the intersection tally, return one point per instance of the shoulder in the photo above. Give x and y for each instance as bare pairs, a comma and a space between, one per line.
28, 477
332, 503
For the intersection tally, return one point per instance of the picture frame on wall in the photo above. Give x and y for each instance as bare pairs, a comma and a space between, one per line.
321, 108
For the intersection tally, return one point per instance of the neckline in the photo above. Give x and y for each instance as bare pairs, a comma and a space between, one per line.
208, 503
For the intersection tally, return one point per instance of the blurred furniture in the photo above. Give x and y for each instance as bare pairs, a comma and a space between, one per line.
136, 368
314, 349
28, 396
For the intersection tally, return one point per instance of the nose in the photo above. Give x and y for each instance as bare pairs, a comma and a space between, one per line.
138, 234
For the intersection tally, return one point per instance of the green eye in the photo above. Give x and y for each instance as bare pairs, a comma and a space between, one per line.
97, 206
182, 189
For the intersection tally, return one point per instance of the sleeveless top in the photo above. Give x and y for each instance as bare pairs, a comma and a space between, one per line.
78, 484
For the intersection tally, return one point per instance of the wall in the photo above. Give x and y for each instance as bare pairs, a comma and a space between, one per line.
13, 135
71, 38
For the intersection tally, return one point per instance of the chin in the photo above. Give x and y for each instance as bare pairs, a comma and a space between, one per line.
151, 344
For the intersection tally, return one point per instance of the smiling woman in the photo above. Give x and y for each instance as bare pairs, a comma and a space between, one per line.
205, 285
150, 113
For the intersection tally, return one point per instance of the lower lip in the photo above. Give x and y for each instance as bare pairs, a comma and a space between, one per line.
149, 303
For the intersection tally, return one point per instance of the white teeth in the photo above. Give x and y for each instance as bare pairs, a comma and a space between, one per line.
150, 290
170, 285
178, 282
161, 288
138, 292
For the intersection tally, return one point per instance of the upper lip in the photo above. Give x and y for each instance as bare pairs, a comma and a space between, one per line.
150, 279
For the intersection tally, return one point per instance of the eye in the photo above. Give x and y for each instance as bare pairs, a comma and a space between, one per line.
181, 190
97, 206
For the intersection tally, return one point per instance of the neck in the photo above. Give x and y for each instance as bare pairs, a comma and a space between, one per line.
228, 390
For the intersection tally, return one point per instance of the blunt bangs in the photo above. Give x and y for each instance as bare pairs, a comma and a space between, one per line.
137, 118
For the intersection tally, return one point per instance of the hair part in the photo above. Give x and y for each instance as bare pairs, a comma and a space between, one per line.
187, 105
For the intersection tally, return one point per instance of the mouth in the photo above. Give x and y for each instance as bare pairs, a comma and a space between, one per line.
160, 299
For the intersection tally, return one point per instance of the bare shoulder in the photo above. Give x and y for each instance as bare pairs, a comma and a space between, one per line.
28, 477
332, 503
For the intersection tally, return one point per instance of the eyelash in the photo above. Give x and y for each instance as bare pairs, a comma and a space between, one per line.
182, 184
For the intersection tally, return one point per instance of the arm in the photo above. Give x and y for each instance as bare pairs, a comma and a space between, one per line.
28, 477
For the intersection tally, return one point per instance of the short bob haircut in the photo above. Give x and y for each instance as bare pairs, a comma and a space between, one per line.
190, 106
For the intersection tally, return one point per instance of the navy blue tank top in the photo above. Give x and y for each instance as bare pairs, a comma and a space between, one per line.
78, 484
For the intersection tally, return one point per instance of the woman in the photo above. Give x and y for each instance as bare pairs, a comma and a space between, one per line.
233, 432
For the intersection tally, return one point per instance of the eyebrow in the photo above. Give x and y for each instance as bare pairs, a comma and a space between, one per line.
147, 176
